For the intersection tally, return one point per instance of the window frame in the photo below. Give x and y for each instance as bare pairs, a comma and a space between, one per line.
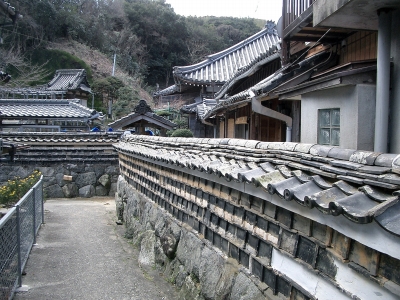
331, 127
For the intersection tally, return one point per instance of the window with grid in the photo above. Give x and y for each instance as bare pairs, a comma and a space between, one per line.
329, 126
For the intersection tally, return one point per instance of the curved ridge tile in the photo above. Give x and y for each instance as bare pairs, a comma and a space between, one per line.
375, 194
355, 207
268, 178
298, 193
280, 187
248, 176
390, 219
322, 199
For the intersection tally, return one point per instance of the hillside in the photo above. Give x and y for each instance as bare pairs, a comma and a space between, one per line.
100, 65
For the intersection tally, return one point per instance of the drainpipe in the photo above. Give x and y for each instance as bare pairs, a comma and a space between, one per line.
383, 81
265, 111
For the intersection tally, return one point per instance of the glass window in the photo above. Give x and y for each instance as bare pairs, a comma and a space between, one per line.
329, 126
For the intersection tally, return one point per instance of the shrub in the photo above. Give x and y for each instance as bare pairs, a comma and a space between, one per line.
13, 190
182, 133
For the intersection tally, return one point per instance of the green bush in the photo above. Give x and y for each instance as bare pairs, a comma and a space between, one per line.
182, 133
163, 113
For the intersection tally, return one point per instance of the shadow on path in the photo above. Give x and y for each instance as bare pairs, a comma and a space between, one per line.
81, 254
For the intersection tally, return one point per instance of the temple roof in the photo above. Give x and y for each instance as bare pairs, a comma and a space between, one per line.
69, 79
362, 186
63, 81
142, 112
33, 109
222, 66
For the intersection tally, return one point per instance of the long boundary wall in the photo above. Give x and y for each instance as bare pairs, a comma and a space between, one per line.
217, 239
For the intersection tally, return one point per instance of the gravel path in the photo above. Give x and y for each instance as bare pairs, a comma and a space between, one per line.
81, 254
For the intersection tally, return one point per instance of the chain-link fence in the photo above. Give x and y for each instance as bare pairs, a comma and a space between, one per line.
18, 229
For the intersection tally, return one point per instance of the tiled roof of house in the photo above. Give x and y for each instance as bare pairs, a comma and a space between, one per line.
62, 82
28, 108
362, 186
69, 79
167, 91
39, 139
298, 73
222, 66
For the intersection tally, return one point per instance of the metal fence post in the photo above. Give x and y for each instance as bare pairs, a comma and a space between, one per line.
34, 215
41, 198
19, 247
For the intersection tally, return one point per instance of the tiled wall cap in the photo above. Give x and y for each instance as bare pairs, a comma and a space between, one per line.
205, 141
364, 157
320, 150
303, 148
385, 160
340, 153
276, 146
252, 144
224, 141
262, 145
289, 146
237, 142
396, 165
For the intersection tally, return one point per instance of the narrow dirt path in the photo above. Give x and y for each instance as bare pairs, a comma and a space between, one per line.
81, 254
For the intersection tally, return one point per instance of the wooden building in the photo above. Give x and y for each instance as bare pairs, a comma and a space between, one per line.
66, 84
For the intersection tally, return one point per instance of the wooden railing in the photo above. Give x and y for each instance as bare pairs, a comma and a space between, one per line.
292, 9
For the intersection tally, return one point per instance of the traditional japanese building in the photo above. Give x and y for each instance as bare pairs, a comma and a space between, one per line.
141, 119
66, 84
229, 71
46, 115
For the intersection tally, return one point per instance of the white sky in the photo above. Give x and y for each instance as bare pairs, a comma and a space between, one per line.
259, 9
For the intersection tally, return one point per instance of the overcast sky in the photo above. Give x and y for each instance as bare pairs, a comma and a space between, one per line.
259, 9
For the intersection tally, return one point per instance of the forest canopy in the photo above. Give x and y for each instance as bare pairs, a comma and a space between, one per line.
147, 36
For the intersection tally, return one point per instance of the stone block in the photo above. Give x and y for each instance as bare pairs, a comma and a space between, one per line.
189, 252
269, 209
70, 190
257, 268
307, 251
389, 268
210, 271
265, 251
284, 216
283, 286
53, 191
245, 289
364, 256
244, 258
87, 191
325, 263
147, 246
301, 224
86, 179
269, 277
105, 181
321, 232
288, 241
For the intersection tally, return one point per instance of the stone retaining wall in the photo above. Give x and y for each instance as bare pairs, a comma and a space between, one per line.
187, 259
68, 180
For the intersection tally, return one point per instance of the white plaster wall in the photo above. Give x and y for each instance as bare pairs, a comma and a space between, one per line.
352, 282
357, 114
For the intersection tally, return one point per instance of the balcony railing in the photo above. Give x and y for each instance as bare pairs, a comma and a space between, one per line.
292, 9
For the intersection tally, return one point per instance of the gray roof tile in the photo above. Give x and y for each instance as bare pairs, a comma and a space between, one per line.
21, 108
359, 196
222, 66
